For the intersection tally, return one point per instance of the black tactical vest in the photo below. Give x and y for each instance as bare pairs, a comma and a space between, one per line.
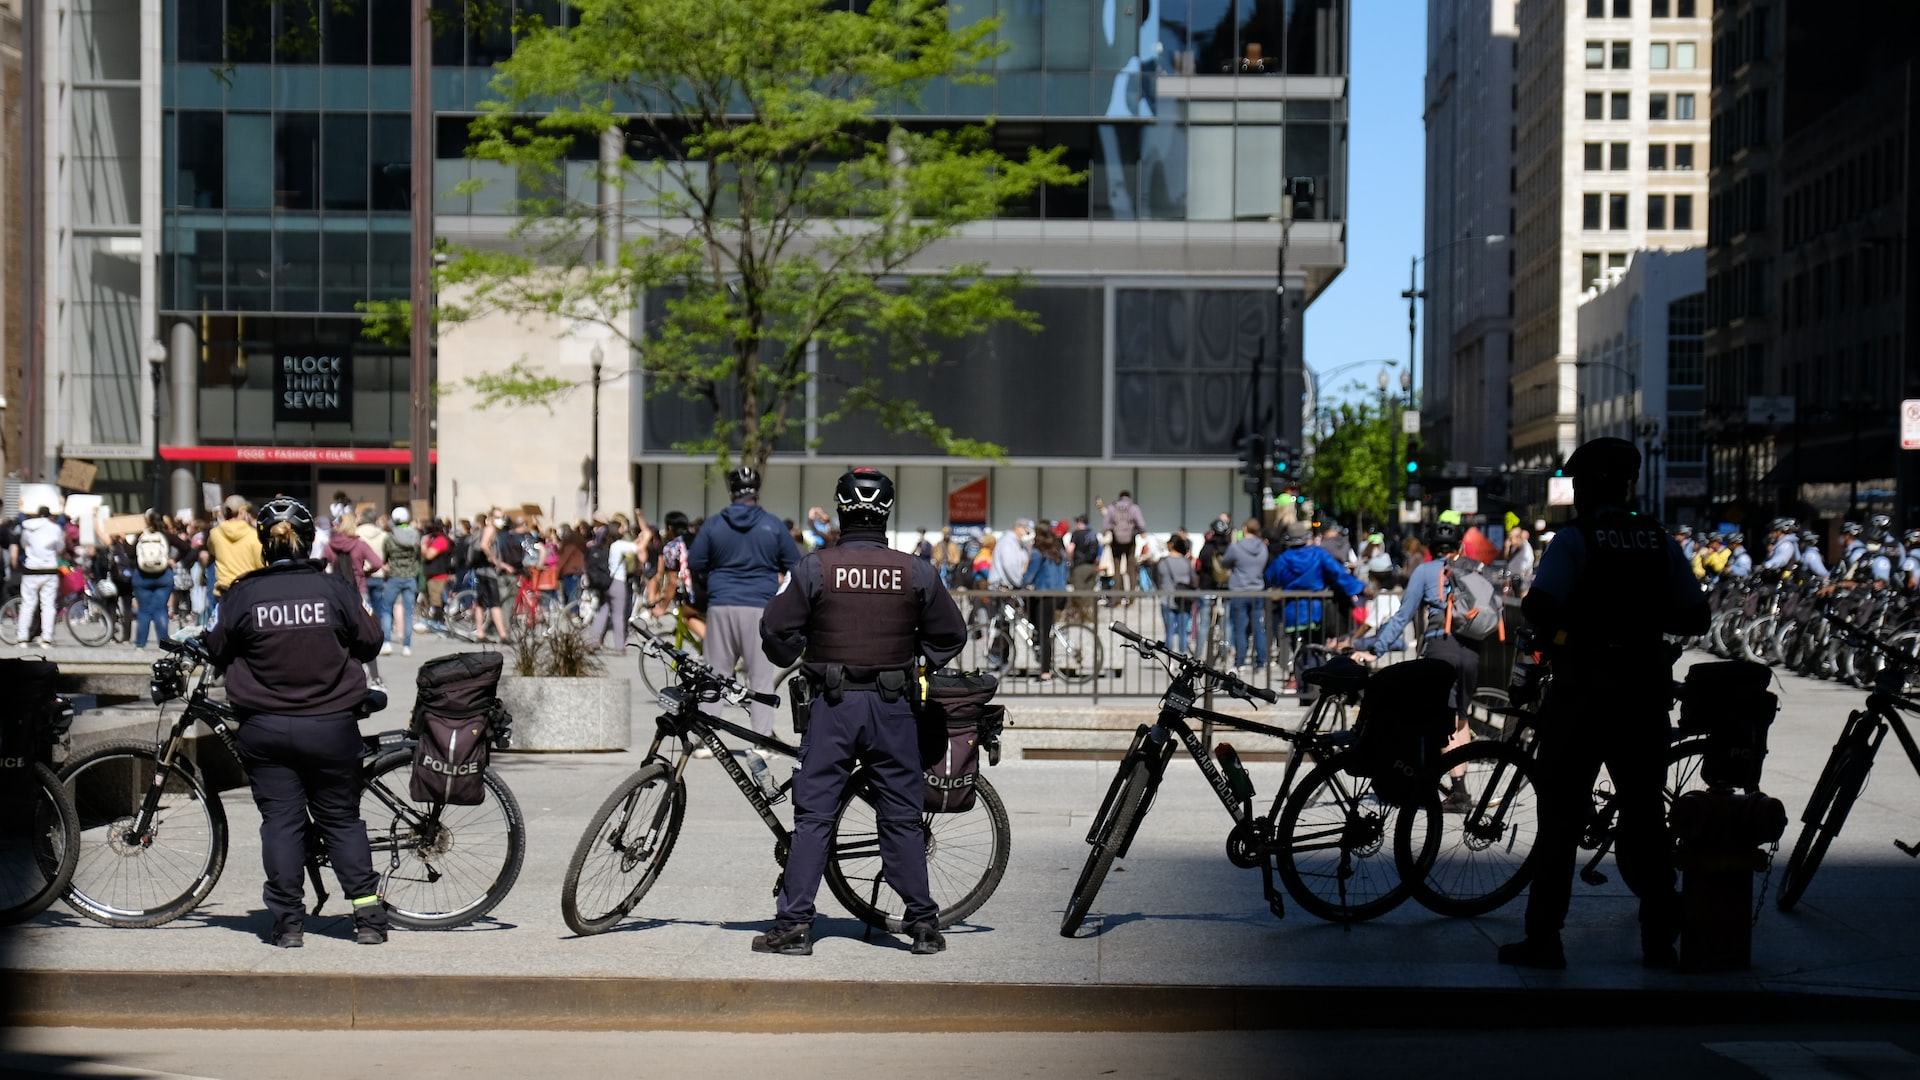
1621, 599
868, 611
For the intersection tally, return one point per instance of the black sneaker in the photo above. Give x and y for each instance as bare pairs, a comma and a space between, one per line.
1457, 801
927, 939
1543, 953
369, 934
784, 941
287, 936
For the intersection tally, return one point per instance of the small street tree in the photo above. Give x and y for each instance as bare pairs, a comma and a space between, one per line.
767, 206
1353, 466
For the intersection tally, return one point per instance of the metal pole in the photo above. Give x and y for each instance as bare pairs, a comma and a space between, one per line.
159, 473
1413, 295
33, 405
593, 473
420, 344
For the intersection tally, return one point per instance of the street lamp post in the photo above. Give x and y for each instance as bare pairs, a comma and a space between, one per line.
1633, 393
593, 455
1414, 293
157, 364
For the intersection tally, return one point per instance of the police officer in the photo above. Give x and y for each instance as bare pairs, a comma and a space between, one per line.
1785, 550
290, 639
863, 616
1813, 565
1739, 561
1611, 584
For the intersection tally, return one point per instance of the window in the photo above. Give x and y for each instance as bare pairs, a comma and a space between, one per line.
1656, 157
1662, 8
1593, 157
1622, 55
1619, 103
1656, 212
1590, 211
1657, 55
1656, 106
1617, 158
1685, 8
1616, 260
1596, 9
1616, 211
1594, 106
1596, 55
1683, 156
1589, 269
1685, 55
1683, 211
1623, 9
1683, 106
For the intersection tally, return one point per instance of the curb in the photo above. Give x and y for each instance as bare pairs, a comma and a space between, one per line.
142, 999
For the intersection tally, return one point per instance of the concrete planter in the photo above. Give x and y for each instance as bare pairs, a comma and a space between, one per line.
568, 714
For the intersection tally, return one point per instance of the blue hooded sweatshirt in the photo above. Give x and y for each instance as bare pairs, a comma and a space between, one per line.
742, 551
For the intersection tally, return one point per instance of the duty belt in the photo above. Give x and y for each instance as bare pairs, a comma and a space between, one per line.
832, 681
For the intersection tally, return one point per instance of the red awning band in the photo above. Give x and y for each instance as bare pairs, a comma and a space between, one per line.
293, 455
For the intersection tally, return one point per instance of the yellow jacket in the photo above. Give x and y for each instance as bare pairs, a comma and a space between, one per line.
236, 550
1708, 562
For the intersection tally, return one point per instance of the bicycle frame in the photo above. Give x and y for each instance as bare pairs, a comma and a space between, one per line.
1888, 708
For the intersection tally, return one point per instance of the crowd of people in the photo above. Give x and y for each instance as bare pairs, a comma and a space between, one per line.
1870, 554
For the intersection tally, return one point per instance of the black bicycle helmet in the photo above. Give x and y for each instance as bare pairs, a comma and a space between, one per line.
1851, 528
1736, 538
1913, 538
1809, 538
1880, 523
1221, 529
1685, 532
743, 481
1445, 538
282, 510
864, 498
1785, 525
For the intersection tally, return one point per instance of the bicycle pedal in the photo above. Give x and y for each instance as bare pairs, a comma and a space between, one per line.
1593, 877
1910, 850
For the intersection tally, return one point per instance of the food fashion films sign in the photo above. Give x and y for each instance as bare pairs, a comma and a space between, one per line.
312, 385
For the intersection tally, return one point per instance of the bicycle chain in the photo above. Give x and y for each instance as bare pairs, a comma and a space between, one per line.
1766, 879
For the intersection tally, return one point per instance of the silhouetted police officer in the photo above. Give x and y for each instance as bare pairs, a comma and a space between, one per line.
863, 615
1609, 586
291, 639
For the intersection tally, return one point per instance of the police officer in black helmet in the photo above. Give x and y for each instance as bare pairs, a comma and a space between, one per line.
291, 640
1609, 587
863, 616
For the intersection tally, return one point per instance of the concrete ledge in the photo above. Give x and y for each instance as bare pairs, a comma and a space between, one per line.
418, 1002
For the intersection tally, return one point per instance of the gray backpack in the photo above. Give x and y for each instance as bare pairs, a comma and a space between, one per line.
1473, 602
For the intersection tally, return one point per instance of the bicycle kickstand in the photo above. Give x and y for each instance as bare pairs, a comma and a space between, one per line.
1911, 851
319, 889
873, 900
1275, 900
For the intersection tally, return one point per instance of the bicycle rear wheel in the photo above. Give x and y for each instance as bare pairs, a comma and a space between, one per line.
1113, 833
39, 843
625, 847
966, 857
1331, 846
1076, 652
1833, 796
127, 878
440, 866
1475, 859
10, 621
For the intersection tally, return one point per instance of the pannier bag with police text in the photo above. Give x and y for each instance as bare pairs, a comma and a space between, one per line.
1405, 720
1730, 703
32, 717
957, 718
458, 720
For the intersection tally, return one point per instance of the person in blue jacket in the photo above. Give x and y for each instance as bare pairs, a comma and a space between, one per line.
1046, 570
1302, 567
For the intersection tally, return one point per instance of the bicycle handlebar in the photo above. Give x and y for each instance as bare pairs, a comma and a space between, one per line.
1860, 638
1233, 684
697, 673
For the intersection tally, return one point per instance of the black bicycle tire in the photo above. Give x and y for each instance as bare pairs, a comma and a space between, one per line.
48, 783
216, 828
1833, 795
402, 758
1093, 638
1296, 886
91, 609
982, 891
1114, 832
589, 839
1415, 870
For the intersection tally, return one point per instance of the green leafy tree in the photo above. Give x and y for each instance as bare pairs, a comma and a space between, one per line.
1354, 465
767, 206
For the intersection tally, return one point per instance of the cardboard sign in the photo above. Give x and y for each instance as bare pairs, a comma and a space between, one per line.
1910, 424
1559, 491
422, 511
210, 497
35, 496
967, 499
124, 525
77, 475
531, 510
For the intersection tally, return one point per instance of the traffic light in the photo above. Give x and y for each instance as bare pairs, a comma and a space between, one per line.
1286, 463
1412, 467
1253, 464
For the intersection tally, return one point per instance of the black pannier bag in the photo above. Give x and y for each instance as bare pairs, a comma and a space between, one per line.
956, 720
1728, 701
32, 716
458, 718
1405, 721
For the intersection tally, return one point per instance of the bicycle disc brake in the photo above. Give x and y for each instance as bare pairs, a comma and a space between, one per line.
1244, 845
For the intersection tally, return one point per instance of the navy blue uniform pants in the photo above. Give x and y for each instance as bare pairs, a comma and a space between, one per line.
300, 765
884, 737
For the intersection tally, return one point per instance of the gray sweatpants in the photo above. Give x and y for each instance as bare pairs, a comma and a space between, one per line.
733, 639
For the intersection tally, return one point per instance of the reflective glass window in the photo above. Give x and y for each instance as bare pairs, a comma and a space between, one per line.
1620, 105
1262, 37
390, 151
1210, 37
249, 265
1617, 157
343, 31
1068, 31
1316, 38
197, 159
249, 32
1656, 157
200, 31
390, 34
1656, 212
448, 19
1022, 33
1683, 211
1310, 155
1590, 211
388, 255
296, 31
344, 175
296, 281
296, 161
1257, 169
249, 161
1616, 211
1686, 55
489, 34
343, 282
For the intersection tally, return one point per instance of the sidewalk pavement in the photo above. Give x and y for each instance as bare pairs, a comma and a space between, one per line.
1173, 914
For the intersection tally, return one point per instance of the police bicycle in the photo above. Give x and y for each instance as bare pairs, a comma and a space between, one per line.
631, 836
153, 838
1328, 837
39, 828
1009, 633
1845, 773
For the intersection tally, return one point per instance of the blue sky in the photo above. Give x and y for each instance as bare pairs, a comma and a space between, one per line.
1361, 315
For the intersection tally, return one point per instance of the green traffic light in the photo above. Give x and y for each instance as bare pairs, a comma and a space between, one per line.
1413, 467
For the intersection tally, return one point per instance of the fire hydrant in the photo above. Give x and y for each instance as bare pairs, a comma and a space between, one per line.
1721, 835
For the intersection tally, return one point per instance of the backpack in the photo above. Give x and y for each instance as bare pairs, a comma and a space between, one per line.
150, 552
956, 719
1211, 568
458, 719
346, 566
1405, 721
599, 568
1473, 603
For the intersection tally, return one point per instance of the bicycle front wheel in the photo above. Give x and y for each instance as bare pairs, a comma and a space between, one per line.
1332, 846
89, 621
1833, 796
966, 857
1076, 652
440, 866
39, 842
1471, 848
130, 876
10, 621
625, 847
1113, 833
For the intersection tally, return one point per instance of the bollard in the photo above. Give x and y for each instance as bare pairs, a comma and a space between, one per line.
1721, 834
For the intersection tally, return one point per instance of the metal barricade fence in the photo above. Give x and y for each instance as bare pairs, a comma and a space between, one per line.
1083, 659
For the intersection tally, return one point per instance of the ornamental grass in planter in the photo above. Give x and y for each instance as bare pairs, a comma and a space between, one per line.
561, 696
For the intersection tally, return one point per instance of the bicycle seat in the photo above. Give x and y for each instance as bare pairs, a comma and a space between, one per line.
1340, 675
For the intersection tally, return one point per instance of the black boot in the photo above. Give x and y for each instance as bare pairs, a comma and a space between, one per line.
287, 934
794, 940
1543, 953
927, 939
370, 923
